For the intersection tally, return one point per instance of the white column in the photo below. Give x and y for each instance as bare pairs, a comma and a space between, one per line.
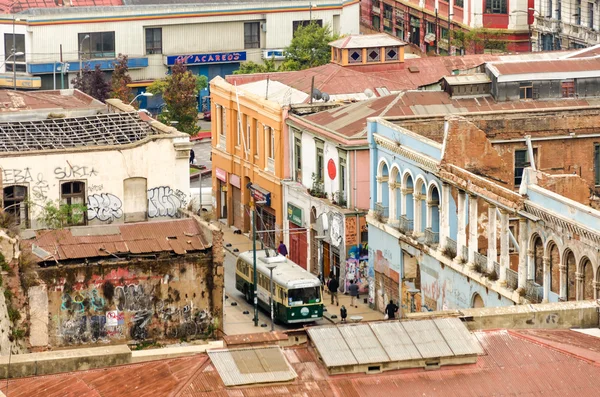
492, 251
579, 286
504, 258
403, 192
444, 216
417, 214
473, 235
462, 237
546, 285
392, 201
379, 189
523, 253
530, 264
563, 281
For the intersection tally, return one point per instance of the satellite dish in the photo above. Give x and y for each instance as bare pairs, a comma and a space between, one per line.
369, 93
325, 97
316, 94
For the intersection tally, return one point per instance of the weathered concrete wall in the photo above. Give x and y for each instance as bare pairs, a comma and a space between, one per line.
9, 247
580, 314
170, 298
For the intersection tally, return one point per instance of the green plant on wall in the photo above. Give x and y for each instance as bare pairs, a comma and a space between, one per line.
57, 215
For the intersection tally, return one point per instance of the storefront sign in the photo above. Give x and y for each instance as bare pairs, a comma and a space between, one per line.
221, 174
260, 194
294, 214
235, 180
200, 59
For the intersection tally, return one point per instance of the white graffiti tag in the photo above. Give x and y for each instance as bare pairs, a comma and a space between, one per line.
104, 207
164, 201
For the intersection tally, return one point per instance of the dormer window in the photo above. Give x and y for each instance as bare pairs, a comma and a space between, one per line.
391, 54
355, 56
373, 55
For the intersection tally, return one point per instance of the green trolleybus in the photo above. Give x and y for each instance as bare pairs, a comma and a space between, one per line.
297, 294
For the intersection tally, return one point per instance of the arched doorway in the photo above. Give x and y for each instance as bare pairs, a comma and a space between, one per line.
433, 213
383, 191
554, 268
588, 279
408, 204
538, 260
570, 263
477, 301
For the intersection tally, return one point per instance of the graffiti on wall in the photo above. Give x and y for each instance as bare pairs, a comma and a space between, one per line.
137, 310
16, 175
164, 201
358, 271
74, 171
104, 207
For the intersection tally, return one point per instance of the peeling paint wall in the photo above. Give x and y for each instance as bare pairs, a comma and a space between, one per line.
9, 247
117, 303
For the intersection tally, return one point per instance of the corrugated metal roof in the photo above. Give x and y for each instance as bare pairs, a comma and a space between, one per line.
179, 236
252, 365
427, 338
513, 365
365, 347
395, 341
458, 338
332, 346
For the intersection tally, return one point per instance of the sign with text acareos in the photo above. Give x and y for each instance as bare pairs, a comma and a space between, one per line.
200, 59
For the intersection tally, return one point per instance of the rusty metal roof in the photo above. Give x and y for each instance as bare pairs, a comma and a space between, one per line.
570, 66
524, 363
350, 121
178, 236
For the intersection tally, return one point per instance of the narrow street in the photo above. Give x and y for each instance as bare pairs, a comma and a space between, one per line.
235, 321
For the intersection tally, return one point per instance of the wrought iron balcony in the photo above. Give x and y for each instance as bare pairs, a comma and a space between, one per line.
381, 211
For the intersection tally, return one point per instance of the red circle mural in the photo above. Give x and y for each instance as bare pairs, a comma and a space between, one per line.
331, 169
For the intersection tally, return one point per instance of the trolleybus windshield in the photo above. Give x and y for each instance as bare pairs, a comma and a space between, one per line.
302, 296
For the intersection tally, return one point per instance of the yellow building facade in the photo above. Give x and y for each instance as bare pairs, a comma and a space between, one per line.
247, 159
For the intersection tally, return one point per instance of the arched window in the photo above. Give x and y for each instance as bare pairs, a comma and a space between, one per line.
571, 265
588, 278
477, 301
538, 261
554, 268
72, 194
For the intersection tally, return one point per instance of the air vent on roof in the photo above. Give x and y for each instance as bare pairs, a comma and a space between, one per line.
413, 69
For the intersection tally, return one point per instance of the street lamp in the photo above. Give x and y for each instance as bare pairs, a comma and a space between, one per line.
87, 36
271, 266
147, 94
255, 299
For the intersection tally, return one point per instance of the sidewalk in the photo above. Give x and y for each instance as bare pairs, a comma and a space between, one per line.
363, 310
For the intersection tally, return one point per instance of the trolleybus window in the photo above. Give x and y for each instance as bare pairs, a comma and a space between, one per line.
304, 295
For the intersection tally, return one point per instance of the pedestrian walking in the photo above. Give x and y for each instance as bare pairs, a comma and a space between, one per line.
343, 313
282, 249
353, 289
390, 310
333, 285
192, 156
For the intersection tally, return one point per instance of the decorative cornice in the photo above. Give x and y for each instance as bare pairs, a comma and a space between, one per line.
427, 162
559, 222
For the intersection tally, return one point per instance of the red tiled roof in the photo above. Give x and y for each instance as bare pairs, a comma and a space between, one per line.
512, 364
13, 6
554, 66
351, 120
179, 236
337, 80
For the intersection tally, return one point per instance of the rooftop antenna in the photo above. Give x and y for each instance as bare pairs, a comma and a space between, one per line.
312, 89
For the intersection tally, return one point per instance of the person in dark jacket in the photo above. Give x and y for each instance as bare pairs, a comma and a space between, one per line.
343, 313
391, 309
192, 156
333, 286
353, 289
282, 249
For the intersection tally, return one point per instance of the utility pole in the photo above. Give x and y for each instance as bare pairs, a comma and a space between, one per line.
255, 287
14, 51
450, 34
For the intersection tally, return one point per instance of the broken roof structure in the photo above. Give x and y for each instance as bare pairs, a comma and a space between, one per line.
89, 242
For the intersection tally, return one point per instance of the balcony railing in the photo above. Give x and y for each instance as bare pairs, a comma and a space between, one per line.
270, 164
431, 237
480, 262
381, 211
406, 225
512, 279
534, 292
450, 249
